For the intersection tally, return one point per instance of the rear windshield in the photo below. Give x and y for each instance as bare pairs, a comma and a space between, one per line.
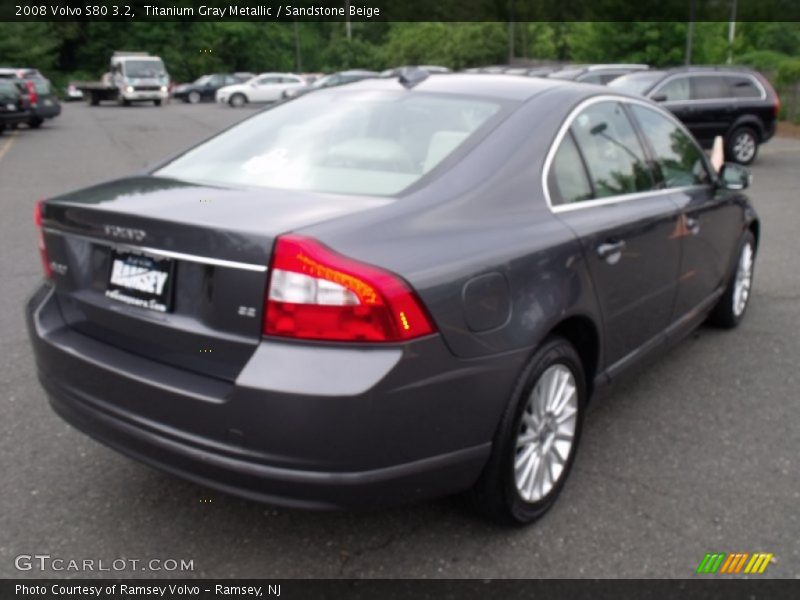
635, 83
373, 143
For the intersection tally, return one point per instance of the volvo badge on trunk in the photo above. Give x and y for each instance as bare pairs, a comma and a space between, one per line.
125, 233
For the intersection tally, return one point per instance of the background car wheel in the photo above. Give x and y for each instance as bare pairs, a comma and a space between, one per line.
238, 100
742, 146
535, 444
35, 123
730, 309
157, 102
2, 128
193, 97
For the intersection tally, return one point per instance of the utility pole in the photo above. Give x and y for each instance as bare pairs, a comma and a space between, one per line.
297, 59
510, 31
347, 26
690, 33
731, 31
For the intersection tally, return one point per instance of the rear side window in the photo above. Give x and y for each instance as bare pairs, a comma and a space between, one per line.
42, 86
709, 87
568, 181
742, 86
678, 157
613, 154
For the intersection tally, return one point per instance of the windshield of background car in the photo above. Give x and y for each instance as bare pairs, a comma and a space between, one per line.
635, 83
144, 68
202, 80
373, 143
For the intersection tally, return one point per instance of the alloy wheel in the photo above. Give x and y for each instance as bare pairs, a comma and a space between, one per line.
546, 433
743, 281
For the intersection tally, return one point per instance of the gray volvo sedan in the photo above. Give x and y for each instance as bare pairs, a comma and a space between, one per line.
393, 290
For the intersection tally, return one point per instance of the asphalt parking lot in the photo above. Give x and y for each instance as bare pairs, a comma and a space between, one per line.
698, 453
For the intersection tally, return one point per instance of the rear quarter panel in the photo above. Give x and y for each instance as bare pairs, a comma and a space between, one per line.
485, 215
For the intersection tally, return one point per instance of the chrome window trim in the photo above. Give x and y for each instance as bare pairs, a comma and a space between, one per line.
548, 163
669, 78
195, 258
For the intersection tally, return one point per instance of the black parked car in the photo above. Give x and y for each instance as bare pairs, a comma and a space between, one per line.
395, 289
204, 89
597, 74
43, 102
736, 103
14, 106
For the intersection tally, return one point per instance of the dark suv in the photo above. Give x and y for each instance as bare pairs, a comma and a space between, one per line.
14, 106
42, 99
735, 103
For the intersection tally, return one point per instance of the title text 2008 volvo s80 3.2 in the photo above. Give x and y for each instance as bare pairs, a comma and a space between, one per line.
388, 291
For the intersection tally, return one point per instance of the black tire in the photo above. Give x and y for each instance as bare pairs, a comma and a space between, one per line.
2, 128
237, 100
742, 145
724, 314
92, 99
157, 102
496, 494
35, 123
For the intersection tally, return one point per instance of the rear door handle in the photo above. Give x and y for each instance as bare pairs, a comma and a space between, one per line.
611, 251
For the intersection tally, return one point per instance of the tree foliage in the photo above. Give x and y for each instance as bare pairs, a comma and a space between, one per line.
192, 48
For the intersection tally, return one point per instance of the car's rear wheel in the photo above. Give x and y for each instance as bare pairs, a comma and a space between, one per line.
730, 309
35, 123
237, 100
535, 445
193, 97
742, 145
157, 102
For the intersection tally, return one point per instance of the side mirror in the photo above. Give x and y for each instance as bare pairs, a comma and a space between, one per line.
734, 177
659, 98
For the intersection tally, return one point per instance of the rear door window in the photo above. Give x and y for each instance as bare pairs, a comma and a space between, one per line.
709, 87
614, 157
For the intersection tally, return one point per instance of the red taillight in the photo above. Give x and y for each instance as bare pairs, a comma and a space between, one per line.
38, 215
33, 97
315, 293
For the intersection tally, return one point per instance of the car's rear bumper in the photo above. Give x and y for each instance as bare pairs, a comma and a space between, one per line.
49, 111
302, 425
14, 118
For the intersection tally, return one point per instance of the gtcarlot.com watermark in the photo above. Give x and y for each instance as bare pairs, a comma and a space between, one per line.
46, 562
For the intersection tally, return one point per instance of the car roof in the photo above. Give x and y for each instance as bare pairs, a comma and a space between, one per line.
357, 72
277, 74
501, 87
733, 69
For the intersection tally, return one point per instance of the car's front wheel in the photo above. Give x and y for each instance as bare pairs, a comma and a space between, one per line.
535, 445
742, 145
238, 100
730, 309
35, 123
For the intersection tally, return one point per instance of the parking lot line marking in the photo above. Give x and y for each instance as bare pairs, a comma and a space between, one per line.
4, 150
